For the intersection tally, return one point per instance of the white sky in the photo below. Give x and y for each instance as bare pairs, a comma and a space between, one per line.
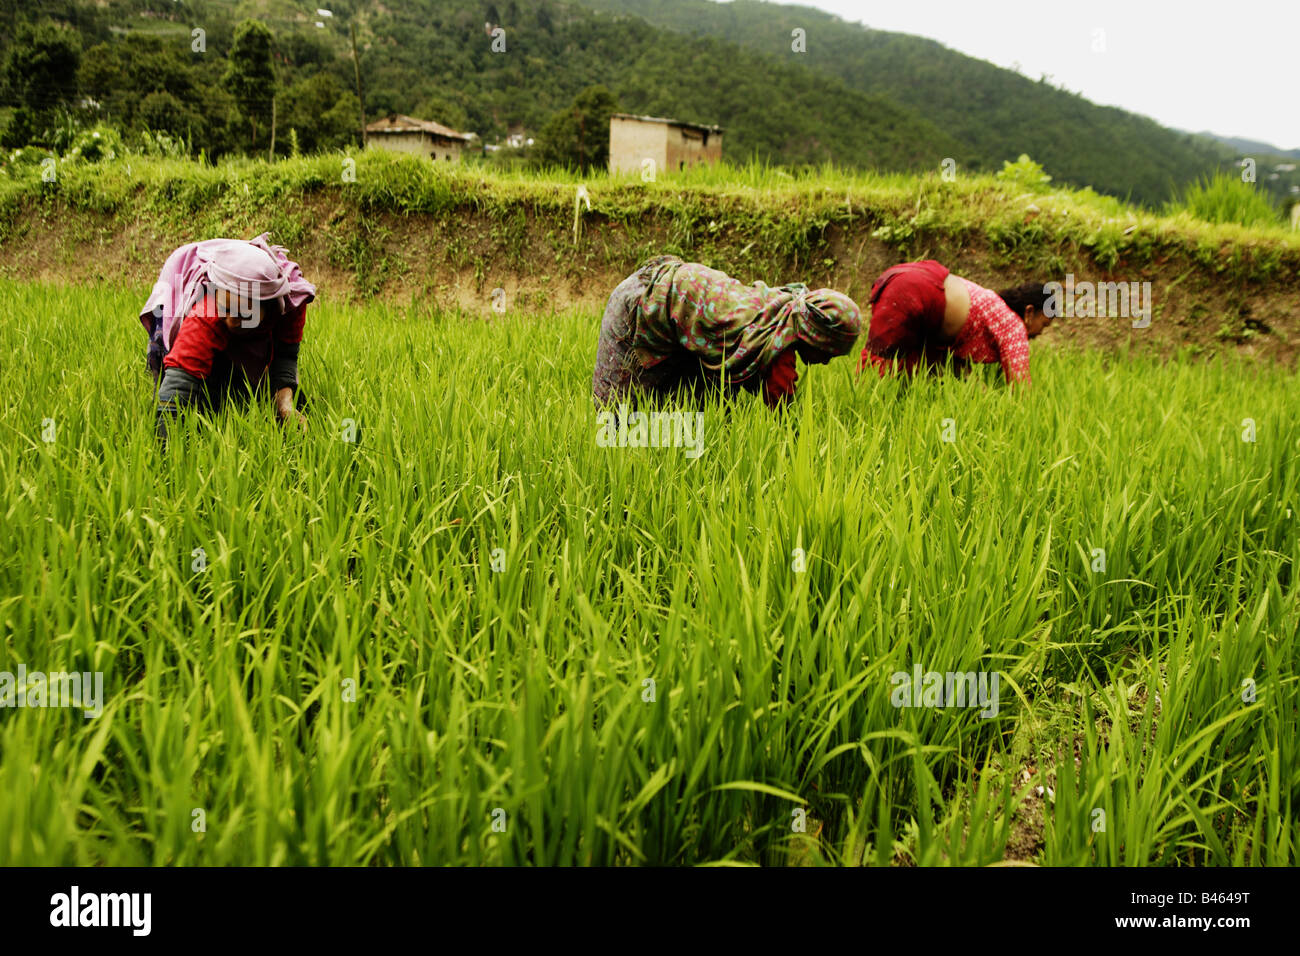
1231, 67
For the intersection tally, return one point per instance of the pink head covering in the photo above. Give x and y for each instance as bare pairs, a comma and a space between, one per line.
252, 269
245, 269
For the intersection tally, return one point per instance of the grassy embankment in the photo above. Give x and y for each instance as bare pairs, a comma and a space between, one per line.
448, 236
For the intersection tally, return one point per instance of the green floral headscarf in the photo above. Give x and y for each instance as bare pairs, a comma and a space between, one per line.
736, 329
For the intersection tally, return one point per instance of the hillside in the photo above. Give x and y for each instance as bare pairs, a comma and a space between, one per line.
434, 58
1249, 146
997, 114
868, 99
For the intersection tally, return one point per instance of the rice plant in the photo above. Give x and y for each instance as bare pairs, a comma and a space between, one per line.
447, 626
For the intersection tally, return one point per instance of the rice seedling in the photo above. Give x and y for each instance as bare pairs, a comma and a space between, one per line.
447, 626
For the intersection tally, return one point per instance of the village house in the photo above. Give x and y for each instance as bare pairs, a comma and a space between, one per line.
668, 144
405, 134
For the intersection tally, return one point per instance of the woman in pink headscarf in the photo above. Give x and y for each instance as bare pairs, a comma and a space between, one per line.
226, 318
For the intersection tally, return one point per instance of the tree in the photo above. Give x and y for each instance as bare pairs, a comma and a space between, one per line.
119, 76
544, 22
442, 109
21, 130
322, 111
579, 137
250, 73
160, 112
40, 70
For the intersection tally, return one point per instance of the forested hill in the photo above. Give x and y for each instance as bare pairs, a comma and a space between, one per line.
776, 112
996, 113
1253, 146
434, 59
857, 97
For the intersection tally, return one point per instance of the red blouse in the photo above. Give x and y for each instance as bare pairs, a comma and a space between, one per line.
779, 384
204, 335
992, 333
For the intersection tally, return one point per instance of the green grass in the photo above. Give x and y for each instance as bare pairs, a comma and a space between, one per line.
524, 689
1225, 198
750, 218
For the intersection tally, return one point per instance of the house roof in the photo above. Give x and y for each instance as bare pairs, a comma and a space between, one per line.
668, 122
398, 123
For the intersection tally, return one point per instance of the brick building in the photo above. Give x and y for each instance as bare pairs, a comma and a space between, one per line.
668, 143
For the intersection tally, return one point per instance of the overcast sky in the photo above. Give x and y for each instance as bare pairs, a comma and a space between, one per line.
1231, 66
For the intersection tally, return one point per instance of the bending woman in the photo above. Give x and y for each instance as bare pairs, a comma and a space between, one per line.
921, 313
225, 318
681, 325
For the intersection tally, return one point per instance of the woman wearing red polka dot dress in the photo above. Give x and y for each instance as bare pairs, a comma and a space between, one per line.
921, 314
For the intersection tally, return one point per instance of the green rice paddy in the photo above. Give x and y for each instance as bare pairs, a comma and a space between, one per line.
473, 635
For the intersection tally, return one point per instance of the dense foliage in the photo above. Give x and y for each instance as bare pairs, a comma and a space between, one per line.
993, 113
436, 59
857, 97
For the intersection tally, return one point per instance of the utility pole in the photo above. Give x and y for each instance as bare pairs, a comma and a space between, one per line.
356, 68
271, 156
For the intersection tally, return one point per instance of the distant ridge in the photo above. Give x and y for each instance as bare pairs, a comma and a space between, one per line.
1242, 145
996, 113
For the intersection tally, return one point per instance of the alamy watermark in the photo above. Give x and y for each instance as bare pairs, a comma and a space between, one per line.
84, 690
1099, 300
129, 910
631, 429
243, 301
943, 690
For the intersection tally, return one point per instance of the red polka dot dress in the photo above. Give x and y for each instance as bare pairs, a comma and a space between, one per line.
993, 333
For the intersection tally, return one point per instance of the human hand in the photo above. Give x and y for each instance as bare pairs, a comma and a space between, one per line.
286, 412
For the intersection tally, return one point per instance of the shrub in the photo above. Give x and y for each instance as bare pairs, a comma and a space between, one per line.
1026, 173
95, 145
